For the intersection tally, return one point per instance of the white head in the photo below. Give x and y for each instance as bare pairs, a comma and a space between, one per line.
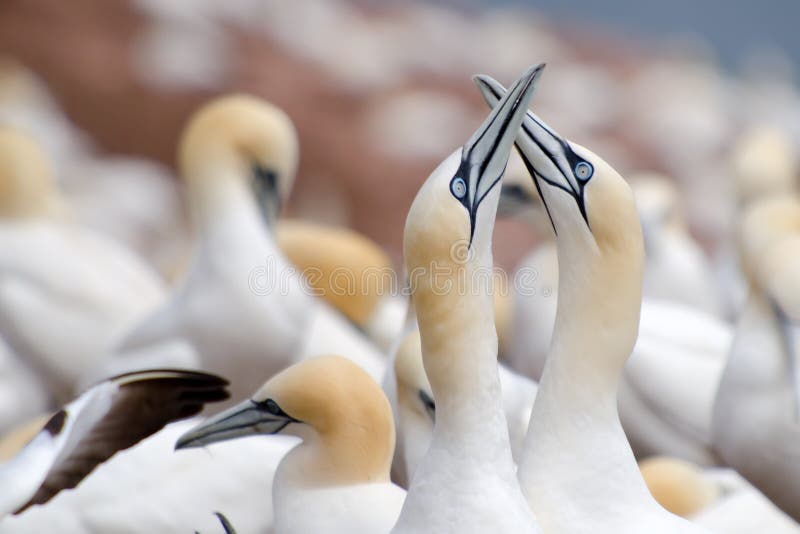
334, 406
242, 138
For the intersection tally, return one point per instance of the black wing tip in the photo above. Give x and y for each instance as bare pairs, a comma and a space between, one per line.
55, 424
171, 374
226, 524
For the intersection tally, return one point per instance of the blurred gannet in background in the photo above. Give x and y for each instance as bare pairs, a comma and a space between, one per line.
23, 394
66, 292
241, 311
764, 162
149, 488
108, 418
415, 410
466, 480
577, 469
349, 271
337, 479
718, 499
134, 200
684, 346
756, 423
676, 268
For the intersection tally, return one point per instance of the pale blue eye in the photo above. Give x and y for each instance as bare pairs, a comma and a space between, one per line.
458, 187
584, 170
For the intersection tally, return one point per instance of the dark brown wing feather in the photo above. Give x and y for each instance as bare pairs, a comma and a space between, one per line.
145, 402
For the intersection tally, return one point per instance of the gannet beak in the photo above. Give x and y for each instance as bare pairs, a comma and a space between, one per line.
245, 419
547, 156
485, 155
265, 187
515, 200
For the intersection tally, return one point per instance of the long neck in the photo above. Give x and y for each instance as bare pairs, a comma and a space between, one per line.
577, 460
459, 347
758, 326
230, 228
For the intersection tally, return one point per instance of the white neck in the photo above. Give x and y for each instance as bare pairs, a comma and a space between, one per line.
459, 346
231, 232
577, 464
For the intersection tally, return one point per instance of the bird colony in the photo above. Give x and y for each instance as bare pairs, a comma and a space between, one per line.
645, 389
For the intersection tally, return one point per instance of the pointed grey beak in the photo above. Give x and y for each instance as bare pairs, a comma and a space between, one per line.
548, 157
245, 419
485, 155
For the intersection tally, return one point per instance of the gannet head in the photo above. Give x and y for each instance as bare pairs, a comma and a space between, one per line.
677, 485
329, 402
593, 214
764, 225
657, 201
241, 137
345, 268
447, 242
27, 187
452, 216
764, 162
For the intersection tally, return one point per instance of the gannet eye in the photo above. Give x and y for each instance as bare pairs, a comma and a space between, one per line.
458, 187
584, 170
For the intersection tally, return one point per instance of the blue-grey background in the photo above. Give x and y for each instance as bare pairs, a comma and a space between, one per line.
733, 28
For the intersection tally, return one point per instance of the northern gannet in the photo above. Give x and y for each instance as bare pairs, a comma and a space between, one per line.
66, 292
763, 163
577, 469
337, 479
241, 310
415, 410
129, 199
349, 271
756, 426
466, 480
685, 346
676, 268
110, 417
718, 499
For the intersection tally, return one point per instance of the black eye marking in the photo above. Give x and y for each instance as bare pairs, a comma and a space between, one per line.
572, 159
430, 405
272, 407
265, 187
266, 178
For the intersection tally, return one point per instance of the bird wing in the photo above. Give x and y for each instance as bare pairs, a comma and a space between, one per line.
674, 371
110, 417
58, 335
